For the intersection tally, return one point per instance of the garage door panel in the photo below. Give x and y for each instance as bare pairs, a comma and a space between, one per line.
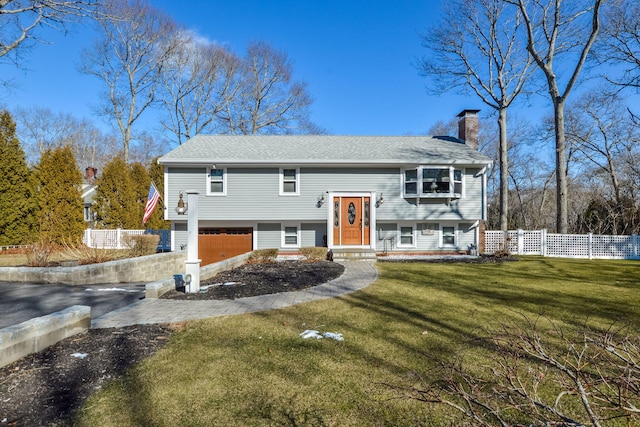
217, 244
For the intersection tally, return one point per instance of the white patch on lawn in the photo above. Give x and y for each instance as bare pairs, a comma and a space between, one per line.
311, 333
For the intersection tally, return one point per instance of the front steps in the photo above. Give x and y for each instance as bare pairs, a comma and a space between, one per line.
354, 254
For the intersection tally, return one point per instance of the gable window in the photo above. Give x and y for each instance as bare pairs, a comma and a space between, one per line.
441, 181
216, 185
289, 182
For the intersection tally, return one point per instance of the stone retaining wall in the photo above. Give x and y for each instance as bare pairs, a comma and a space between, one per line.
141, 269
34, 335
157, 288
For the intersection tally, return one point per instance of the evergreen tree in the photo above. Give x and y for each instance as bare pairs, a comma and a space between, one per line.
157, 221
60, 197
17, 202
115, 203
141, 180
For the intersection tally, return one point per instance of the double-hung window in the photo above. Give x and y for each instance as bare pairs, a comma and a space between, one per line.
448, 236
430, 181
290, 237
216, 185
289, 182
406, 236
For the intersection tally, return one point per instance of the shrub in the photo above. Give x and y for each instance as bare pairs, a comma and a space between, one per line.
86, 255
38, 254
314, 253
263, 255
140, 245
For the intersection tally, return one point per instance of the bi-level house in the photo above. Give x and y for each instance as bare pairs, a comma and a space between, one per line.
369, 195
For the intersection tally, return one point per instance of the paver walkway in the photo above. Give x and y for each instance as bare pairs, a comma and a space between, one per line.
357, 275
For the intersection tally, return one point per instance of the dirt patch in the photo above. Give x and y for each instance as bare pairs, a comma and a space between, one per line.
45, 388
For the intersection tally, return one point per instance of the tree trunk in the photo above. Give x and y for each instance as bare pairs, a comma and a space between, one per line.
562, 215
504, 170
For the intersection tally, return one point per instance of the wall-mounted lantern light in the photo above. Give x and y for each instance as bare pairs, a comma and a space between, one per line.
320, 200
181, 209
380, 201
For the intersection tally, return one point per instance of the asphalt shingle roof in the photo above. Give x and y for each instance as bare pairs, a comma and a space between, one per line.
323, 149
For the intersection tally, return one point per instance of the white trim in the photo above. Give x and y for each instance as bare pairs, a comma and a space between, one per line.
283, 235
281, 182
441, 243
414, 228
420, 180
224, 181
372, 217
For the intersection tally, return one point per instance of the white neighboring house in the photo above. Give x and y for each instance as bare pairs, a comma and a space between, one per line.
379, 194
88, 192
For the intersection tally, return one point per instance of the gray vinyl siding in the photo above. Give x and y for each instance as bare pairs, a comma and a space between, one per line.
253, 194
269, 235
313, 234
386, 236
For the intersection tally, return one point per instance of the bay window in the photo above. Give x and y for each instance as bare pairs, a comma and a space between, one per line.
428, 181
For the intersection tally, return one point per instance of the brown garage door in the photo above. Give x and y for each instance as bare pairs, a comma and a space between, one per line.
217, 244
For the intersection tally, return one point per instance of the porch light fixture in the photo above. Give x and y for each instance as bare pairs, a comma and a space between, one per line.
181, 209
320, 200
380, 201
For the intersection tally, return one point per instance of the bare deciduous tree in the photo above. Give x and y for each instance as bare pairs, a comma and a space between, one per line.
602, 131
264, 98
134, 44
478, 44
196, 80
41, 129
560, 34
20, 20
620, 45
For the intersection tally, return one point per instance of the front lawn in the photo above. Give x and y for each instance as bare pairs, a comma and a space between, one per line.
257, 370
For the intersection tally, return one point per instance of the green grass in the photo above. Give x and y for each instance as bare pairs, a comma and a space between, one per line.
256, 370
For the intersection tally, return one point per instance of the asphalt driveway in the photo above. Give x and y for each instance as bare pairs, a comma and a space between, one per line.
23, 301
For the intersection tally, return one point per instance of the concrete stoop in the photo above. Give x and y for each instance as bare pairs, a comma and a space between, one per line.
354, 254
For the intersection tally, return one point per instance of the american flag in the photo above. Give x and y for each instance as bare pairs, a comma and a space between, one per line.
152, 202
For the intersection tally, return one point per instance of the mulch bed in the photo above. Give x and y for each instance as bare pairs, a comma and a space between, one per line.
262, 279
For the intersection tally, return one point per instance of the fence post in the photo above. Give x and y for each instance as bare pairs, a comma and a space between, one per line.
634, 242
520, 241
118, 230
590, 245
543, 242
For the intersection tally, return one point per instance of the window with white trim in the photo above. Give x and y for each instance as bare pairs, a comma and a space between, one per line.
406, 236
216, 182
289, 182
430, 181
448, 236
290, 236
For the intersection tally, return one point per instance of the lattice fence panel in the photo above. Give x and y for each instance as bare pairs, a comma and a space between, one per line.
568, 245
108, 239
496, 241
612, 247
531, 242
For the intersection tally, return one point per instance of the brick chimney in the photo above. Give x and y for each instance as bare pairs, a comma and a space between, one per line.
468, 127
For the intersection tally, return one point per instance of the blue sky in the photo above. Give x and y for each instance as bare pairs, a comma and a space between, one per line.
356, 56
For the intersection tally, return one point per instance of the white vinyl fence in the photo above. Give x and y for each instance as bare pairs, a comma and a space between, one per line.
108, 239
539, 242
